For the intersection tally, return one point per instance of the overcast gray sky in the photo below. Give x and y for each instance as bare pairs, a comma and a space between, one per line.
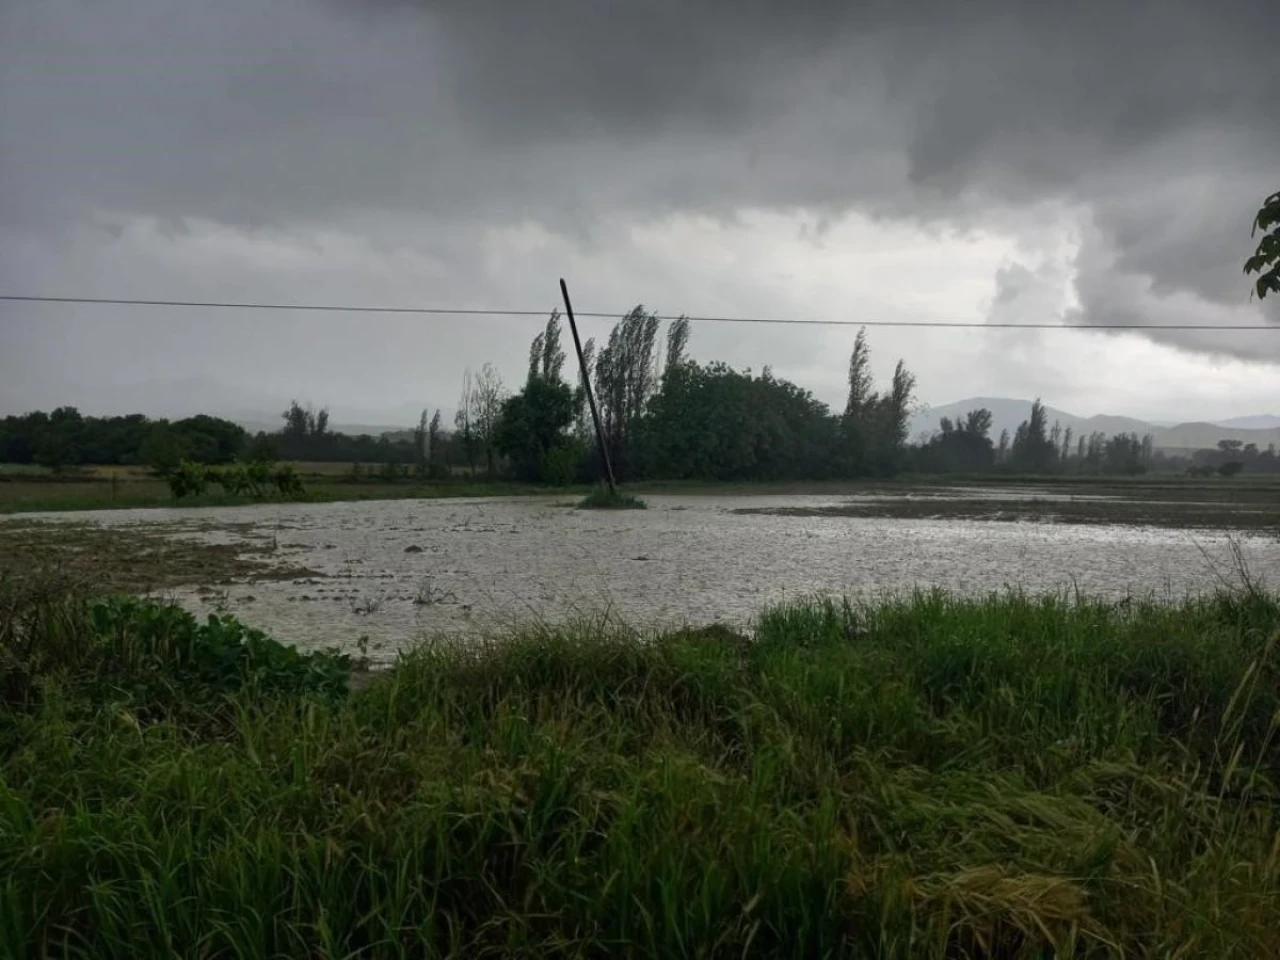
996, 160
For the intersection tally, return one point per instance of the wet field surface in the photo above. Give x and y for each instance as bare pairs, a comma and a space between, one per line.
396, 571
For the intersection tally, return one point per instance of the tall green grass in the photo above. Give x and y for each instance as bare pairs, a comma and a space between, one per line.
926, 777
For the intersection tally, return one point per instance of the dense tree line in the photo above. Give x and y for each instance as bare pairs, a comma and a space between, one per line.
65, 438
1233, 456
674, 418
1035, 448
961, 447
306, 436
663, 416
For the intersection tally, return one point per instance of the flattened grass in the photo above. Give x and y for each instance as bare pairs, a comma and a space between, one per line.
929, 777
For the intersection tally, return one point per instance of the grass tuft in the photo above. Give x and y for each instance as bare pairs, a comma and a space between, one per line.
601, 498
932, 776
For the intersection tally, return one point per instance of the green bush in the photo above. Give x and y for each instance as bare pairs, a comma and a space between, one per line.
255, 479
189, 478
287, 481
561, 465
154, 658
234, 479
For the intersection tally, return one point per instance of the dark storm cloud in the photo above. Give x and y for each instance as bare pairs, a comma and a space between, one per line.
1153, 121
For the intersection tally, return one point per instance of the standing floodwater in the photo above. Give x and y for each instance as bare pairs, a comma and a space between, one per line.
397, 570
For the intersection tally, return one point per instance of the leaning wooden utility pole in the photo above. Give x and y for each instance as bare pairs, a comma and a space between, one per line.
591, 398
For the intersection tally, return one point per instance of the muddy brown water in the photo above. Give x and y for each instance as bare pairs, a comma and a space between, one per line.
396, 571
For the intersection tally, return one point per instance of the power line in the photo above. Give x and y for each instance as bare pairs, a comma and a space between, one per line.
479, 312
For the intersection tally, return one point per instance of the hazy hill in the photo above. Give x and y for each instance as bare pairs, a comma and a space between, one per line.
1007, 413
1197, 436
1265, 421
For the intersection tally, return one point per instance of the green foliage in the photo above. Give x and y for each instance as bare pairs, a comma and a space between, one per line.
1032, 450
210, 439
286, 480
235, 480
928, 777
625, 380
58, 447
601, 498
672, 419
189, 479
563, 463
162, 450
961, 447
533, 423
420, 444
64, 438
302, 422
435, 465
1125, 454
487, 397
262, 448
546, 356
306, 436
1230, 468
150, 659
1266, 259
257, 479
874, 427
713, 422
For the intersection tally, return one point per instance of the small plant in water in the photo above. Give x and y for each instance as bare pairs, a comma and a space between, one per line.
220, 600
364, 606
429, 594
602, 498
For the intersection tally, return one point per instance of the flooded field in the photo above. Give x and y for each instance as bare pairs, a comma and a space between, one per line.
394, 571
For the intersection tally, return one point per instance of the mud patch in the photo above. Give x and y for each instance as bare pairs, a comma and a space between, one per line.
134, 559
1086, 510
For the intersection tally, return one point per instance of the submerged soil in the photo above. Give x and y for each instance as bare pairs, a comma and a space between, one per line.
138, 559
1060, 508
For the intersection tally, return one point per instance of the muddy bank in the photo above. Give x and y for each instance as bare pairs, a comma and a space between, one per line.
1097, 510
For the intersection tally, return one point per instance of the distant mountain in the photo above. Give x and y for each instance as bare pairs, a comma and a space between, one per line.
1007, 413
1264, 421
1199, 436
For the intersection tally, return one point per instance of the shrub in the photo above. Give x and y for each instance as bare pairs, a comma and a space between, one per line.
189, 478
287, 481
153, 658
561, 464
234, 479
